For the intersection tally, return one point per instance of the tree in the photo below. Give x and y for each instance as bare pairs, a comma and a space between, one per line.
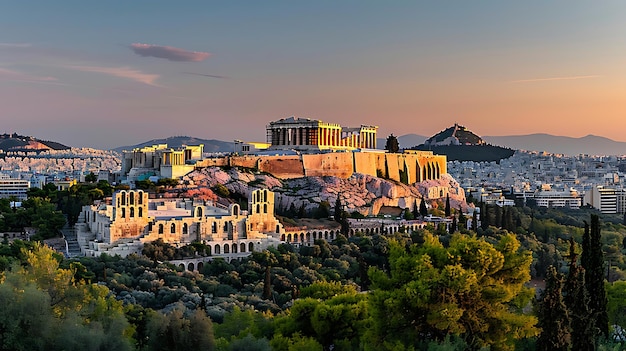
392, 145
453, 226
471, 288
592, 262
474, 220
338, 209
583, 328
552, 315
423, 209
448, 210
416, 213
91, 178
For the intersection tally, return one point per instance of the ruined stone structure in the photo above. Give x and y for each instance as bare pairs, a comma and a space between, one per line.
132, 219
159, 160
307, 134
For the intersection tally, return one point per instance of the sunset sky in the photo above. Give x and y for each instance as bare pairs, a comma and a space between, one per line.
110, 73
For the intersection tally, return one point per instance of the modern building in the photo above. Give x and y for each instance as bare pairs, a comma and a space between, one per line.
130, 219
311, 134
11, 187
602, 198
562, 199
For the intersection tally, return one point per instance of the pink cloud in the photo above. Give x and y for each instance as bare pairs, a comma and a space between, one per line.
17, 76
121, 72
168, 52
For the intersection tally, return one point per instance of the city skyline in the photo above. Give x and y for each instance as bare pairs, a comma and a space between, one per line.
118, 73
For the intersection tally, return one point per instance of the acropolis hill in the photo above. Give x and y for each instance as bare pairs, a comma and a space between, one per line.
298, 147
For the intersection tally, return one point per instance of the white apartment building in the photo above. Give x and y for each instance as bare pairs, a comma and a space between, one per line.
13, 187
602, 198
563, 199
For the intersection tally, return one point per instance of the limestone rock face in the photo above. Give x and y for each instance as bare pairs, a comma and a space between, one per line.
362, 193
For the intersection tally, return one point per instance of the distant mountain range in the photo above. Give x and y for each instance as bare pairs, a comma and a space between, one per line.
590, 144
210, 145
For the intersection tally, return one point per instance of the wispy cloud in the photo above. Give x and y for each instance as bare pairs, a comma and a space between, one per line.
121, 72
206, 75
553, 78
15, 45
18, 76
168, 53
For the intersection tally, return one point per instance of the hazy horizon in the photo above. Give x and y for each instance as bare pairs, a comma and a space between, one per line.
108, 74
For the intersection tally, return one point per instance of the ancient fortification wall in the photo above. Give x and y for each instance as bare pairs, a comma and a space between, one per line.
418, 166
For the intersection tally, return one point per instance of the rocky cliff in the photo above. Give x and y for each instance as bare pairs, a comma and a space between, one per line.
361, 193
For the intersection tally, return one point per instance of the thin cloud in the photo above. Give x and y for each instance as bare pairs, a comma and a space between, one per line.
17, 76
168, 53
15, 45
121, 72
553, 78
206, 75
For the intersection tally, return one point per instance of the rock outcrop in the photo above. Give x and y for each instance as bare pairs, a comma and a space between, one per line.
361, 193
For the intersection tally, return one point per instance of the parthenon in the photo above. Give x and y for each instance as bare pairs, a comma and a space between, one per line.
311, 134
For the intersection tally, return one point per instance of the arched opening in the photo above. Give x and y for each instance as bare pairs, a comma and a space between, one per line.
199, 212
242, 247
301, 237
258, 208
308, 236
185, 228
123, 212
226, 249
160, 228
181, 266
190, 267
140, 212
264, 208
250, 247
326, 235
132, 212
265, 195
132, 198
217, 249
140, 197
282, 237
214, 227
277, 228
173, 228
200, 266
123, 196
289, 238
235, 210
234, 248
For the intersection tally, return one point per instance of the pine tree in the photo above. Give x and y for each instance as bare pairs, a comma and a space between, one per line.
553, 316
448, 211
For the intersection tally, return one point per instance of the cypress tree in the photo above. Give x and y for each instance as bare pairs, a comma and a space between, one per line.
338, 210
498, 223
423, 209
474, 220
484, 216
594, 277
416, 211
577, 301
448, 211
552, 315
453, 226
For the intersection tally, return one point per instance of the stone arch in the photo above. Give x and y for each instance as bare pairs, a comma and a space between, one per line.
190, 267
301, 237
217, 249
226, 248
123, 212
288, 238
200, 266
140, 197
132, 212
198, 211
251, 247
308, 236
123, 197
234, 248
140, 212
242, 247
235, 210
258, 208
181, 266
264, 195
438, 171
185, 228
173, 228
326, 235
214, 227
367, 231
132, 198
160, 228
282, 237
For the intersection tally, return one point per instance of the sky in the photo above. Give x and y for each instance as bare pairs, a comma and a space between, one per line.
105, 74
